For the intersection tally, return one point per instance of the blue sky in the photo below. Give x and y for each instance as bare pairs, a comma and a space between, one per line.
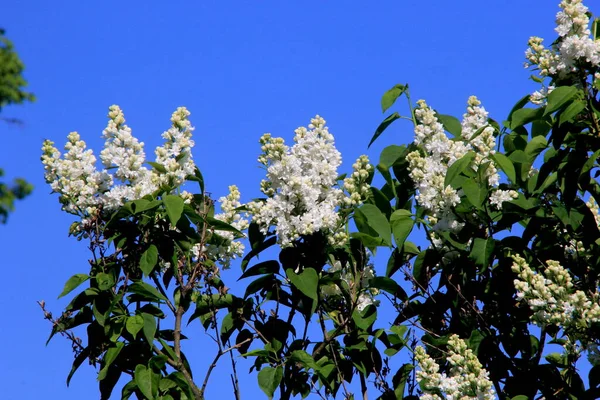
242, 68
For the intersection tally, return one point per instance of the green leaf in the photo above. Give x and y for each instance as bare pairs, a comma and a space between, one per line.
157, 166
519, 156
458, 168
524, 116
109, 358
473, 191
145, 290
482, 251
104, 281
200, 179
269, 379
302, 357
535, 147
256, 250
149, 328
221, 226
369, 241
451, 124
134, 324
557, 359
77, 363
265, 267
72, 283
389, 285
506, 165
174, 206
182, 383
400, 378
307, 282
366, 318
383, 126
149, 259
377, 220
589, 164
143, 380
571, 112
390, 154
402, 224
390, 97
559, 97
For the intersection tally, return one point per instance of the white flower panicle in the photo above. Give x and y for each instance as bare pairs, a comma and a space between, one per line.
552, 297
74, 177
230, 248
175, 155
356, 184
123, 151
84, 190
573, 48
429, 171
466, 378
300, 183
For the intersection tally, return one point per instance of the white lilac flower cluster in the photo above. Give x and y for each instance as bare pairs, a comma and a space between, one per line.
573, 48
466, 378
360, 286
552, 297
84, 190
429, 171
300, 185
229, 248
356, 184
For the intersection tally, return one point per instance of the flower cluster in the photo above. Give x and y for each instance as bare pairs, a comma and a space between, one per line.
229, 248
572, 50
74, 176
358, 285
356, 185
84, 190
429, 171
552, 297
300, 183
123, 153
466, 378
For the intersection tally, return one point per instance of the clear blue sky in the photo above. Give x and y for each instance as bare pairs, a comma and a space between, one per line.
242, 68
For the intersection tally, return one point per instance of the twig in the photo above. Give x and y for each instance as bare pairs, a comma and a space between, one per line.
216, 359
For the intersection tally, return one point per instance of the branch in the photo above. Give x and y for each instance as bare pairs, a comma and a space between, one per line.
214, 364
